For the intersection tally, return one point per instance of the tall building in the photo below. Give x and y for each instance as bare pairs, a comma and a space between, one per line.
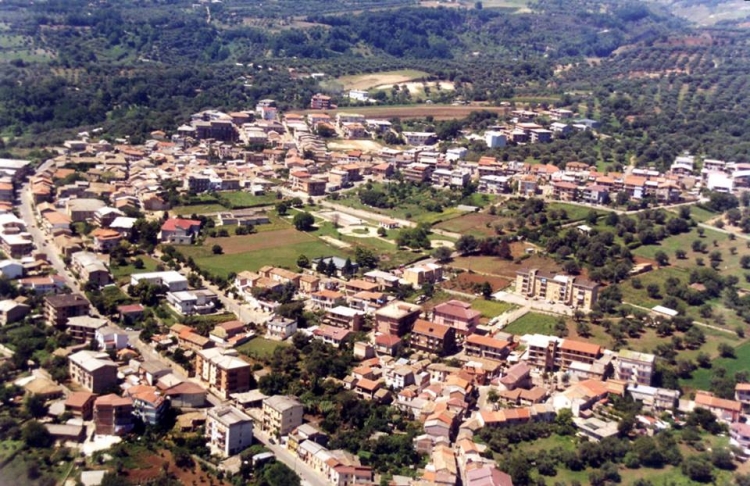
113, 415
223, 371
635, 367
566, 289
397, 318
229, 431
281, 414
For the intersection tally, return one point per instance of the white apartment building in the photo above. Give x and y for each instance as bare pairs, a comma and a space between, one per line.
635, 367
281, 414
229, 431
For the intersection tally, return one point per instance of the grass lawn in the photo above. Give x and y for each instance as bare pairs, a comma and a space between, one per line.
700, 214
532, 323
574, 212
242, 199
701, 379
491, 308
122, 274
260, 348
197, 209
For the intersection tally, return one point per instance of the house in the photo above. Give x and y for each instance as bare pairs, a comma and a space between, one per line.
418, 275
723, 409
281, 414
43, 285
742, 394
109, 337
82, 209
80, 404
189, 302
223, 371
344, 317
229, 430
458, 315
517, 376
486, 347
320, 102
634, 367
105, 240
280, 329
59, 308
149, 404
173, 281
396, 318
103, 217
280, 275
596, 429
388, 344
186, 395
12, 311
83, 328
93, 370
326, 299
740, 436
419, 138
309, 284
113, 415
479, 474
432, 337
335, 336
179, 231
192, 341
367, 389
494, 184
130, 313
54, 221
225, 331
90, 268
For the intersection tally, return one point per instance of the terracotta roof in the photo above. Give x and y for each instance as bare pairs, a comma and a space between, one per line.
387, 340
174, 223
580, 347
705, 398
113, 400
457, 309
432, 329
368, 385
488, 341
78, 399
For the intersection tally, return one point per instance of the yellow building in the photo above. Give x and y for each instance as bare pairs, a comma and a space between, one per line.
565, 289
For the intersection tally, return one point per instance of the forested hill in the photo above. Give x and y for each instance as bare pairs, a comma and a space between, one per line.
137, 65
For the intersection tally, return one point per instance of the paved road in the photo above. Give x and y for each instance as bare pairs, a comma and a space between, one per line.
27, 214
726, 232
306, 473
539, 305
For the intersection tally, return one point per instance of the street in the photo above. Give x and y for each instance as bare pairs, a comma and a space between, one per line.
305, 472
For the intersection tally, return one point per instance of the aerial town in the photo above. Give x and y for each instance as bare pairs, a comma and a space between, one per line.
164, 308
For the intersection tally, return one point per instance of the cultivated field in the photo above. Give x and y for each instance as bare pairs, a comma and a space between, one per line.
439, 112
389, 78
465, 282
505, 268
473, 224
363, 145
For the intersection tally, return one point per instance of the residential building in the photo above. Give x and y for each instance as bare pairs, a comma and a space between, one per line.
189, 302
223, 371
12, 311
723, 409
486, 347
280, 329
59, 308
229, 430
571, 351
566, 289
105, 240
113, 415
419, 138
320, 102
344, 317
149, 404
740, 436
387, 344
111, 338
397, 318
335, 336
742, 394
93, 370
432, 337
189, 340
458, 315
90, 268
419, 275
83, 328
80, 404
186, 395
281, 414
226, 331
179, 231
83, 209
326, 299
172, 280
43, 285
634, 367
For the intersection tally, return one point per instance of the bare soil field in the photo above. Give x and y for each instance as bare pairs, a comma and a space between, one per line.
439, 112
389, 78
506, 268
416, 87
465, 282
473, 223
259, 241
152, 469
363, 145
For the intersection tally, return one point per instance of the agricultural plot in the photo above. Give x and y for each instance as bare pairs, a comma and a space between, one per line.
388, 78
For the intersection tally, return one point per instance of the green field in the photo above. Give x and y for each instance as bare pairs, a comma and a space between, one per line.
574, 212
197, 209
122, 274
701, 379
260, 347
491, 308
532, 323
242, 199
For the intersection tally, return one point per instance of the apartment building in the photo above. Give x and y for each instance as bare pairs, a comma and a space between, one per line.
397, 318
90, 268
92, 370
148, 403
223, 371
565, 289
172, 280
281, 414
634, 367
419, 275
723, 409
486, 347
280, 329
570, 351
432, 337
83, 328
113, 415
59, 308
458, 315
344, 317
320, 102
229, 430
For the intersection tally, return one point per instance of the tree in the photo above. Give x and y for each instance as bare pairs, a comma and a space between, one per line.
278, 474
112, 479
442, 254
653, 290
365, 257
698, 468
561, 328
680, 254
486, 290
726, 350
382, 232
35, 435
35, 406
321, 266
583, 328
745, 261
217, 250
303, 261
348, 269
467, 244
282, 208
303, 221
661, 258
